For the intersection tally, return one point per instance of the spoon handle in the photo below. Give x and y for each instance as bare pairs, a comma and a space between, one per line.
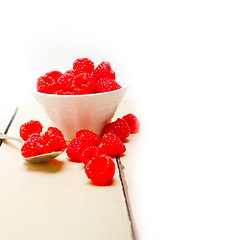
3, 136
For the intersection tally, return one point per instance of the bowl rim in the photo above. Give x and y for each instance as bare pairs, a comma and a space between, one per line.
124, 85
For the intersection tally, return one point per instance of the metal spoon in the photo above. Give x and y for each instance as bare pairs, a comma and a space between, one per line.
36, 159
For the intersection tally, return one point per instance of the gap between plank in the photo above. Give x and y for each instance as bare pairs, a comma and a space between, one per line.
9, 124
125, 193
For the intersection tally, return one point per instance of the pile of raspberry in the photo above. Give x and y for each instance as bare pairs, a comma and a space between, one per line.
35, 144
83, 78
94, 151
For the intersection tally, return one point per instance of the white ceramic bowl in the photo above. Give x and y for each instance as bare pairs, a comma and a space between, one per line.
71, 113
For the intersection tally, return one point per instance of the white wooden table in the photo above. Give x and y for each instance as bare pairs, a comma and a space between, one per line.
55, 200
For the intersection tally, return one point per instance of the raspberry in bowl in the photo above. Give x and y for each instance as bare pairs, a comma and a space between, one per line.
81, 98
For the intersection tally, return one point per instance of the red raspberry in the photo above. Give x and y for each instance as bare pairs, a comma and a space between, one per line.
54, 131
61, 92
53, 74
52, 144
103, 70
100, 169
74, 149
31, 147
70, 71
46, 85
119, 127
83, 65
29, 128
133, 122
64, 83
112, 75
106, 85
88, 153
52, 141
84, 83
84, 138
112, 145
88, 137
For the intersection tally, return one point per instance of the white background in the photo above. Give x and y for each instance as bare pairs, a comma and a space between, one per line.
182, 60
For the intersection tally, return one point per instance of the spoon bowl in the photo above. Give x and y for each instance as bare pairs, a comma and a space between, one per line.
43, 157
36, 159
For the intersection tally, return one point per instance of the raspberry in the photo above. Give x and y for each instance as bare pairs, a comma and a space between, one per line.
52, 141
84, 138
70, 71
106, 85
88, 153
112, 75
52, 144
133, 122
88, 137
103, 70
61, 92
53, 74
46, 84
29, 128
64, 83
119, 127
83, 65
74, 149
31, 147
84, 83
112, 145
54, 131
100, 169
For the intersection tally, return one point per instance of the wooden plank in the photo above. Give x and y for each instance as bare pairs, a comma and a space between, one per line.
55, 200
